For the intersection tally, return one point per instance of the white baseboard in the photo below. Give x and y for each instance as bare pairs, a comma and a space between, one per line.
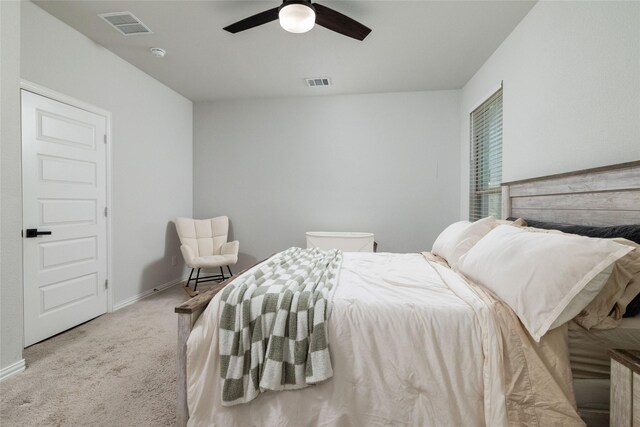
13, 369
148, 293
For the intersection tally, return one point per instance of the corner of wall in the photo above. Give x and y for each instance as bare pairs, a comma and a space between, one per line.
10, 181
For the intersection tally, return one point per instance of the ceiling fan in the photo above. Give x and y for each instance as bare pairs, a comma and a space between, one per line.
299, 16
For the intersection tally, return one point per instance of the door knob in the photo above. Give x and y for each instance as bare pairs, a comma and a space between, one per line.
33, 232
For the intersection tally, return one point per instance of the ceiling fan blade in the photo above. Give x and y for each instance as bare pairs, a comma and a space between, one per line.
335, 21
253, 21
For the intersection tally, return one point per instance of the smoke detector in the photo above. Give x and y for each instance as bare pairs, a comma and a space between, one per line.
125, 23
158, 52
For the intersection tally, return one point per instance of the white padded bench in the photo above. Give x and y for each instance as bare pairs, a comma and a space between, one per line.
345, 241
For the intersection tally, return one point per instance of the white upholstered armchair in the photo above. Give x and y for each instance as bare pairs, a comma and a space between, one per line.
204, 245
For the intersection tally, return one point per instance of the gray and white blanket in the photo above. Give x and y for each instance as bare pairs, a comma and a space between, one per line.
273, 333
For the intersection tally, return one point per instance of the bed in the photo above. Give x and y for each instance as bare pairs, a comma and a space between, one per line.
598, 197
468, 388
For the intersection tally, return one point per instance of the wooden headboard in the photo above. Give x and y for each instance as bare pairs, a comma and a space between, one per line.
607, 195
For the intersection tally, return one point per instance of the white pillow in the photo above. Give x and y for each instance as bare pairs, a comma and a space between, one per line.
538, 274
584, 297
446, 242
459, 237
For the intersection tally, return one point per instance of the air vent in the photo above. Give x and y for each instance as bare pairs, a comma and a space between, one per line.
318, 81
126, 23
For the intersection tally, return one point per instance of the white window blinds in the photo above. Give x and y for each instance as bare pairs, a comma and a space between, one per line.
486, 159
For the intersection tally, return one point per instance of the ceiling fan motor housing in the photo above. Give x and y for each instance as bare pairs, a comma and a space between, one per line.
303, 2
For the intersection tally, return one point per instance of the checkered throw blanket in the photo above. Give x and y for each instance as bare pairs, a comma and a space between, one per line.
273, 333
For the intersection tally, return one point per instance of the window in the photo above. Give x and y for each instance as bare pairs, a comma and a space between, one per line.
486, 159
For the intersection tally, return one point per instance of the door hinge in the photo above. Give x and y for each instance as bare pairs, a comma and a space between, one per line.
106, 283
105, 211
105, 138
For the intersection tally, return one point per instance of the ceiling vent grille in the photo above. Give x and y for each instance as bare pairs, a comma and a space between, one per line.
318, 81
126, 23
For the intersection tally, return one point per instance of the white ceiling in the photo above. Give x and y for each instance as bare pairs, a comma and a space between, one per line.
414, 45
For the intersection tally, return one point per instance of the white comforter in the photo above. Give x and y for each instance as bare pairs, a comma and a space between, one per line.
411, 344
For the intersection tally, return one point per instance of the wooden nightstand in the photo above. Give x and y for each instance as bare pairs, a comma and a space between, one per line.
625, 388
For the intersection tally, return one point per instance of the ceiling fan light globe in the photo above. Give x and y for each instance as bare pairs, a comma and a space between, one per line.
297, 18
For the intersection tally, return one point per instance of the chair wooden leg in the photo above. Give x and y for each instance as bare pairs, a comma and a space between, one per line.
197, 277
230, 273
187, 289
190, 274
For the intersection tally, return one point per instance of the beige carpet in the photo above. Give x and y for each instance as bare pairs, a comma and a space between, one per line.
116, 370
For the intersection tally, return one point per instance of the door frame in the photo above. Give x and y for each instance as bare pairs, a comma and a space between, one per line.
65, 99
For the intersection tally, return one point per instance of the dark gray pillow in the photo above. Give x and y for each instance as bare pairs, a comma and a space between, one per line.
629, 232
633, 308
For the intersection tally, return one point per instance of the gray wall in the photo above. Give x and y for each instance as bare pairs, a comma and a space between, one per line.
382, 163
10, 183
151, 148
571, 90
152, 145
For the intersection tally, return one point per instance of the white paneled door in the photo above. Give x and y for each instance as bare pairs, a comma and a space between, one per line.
64, 208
